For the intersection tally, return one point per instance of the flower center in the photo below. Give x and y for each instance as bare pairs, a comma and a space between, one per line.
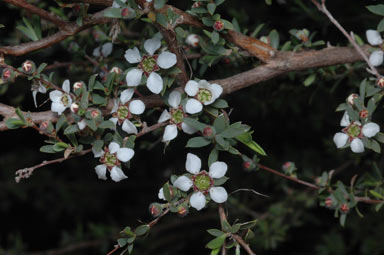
109, 159
123, 112
354, 130
149, 64
65, 100
204, 95
202, 182
177, 116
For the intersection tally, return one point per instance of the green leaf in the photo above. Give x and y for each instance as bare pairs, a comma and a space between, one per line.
248, 225
60, 122
376, 9
122, 242
71, 130
343, 218
207, 21
197, 142
13, 123
213, 156
195, 124
20, 114
246, 139
60, 146
220, 124
161, 19
47, 149
107, 124
130, 248
235, 129
41, 67
113, 13
220, 103
91, 81
380, 26
127, 231
268, 2
227, 24
380, 137
142, 230
97, 99
375, 146
309, 80
275, 40
217, 242
376, 194
167, 191
211, 8
222, 142
215, 37
218, 2
91, 124
215, 232
159, 4
199, 10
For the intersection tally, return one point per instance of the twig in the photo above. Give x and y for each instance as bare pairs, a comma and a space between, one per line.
350, 38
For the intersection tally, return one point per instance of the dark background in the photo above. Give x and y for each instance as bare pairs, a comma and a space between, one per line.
65, 204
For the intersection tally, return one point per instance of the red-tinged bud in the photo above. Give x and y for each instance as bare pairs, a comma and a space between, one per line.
182, 210
218, 25
192, 40
44, 125
207, 131
116, 70
287, 165
328, 202
28, 67
155, 209
344, 208
380, 82
125, 12
95, 114
74, 107
352, 97
363, 114
247, 164
78, 85
197, 4
8, 75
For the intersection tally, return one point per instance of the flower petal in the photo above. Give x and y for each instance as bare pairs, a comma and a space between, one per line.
96, 52
197, 200
55, 95
126, 95
340, 139
170, 133
58, 107
117, 174
188, 129
376, 58
129, 127
193, 163
357, 146
191, 88
166, 60
101, 171
151, 45
113, 147
373, 37
193, 106
345, 120
161, 194
125, 154
107, 48
183, 183
136, 107
155, 83
218, 169
216, 90
370, 129
81, 124
132, 55
164, 116
115, 106
218, 194
174, 99
133, 77
114, 120
66, 86
97, 154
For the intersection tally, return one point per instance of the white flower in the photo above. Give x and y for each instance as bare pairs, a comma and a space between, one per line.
123, 110
37, 88
203, 93
202, 182
353, 133
192, 40
60, 100
104, 51
111, 159
149, 65
175, 118
374, 38
161, 194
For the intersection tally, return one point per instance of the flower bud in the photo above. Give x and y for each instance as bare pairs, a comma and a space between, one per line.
95, 114
328, 202
155, 209
78, 85
247, 164
344, 208
126, 12
192, 40
197, 4
28, 67
74, 107
44, 125
208, 132
287, 165
351, 97
265, 39
380, 82
8, 75
116, 70
182, 210
218, 25
363, 114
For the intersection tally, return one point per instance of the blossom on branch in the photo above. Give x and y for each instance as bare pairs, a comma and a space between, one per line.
202, 93
60, 100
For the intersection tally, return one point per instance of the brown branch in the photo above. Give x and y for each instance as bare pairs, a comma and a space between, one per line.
38, 11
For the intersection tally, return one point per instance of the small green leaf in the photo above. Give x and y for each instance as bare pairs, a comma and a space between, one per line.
376, 194
122, 242
91, 124
376, 9
161, 19
380, 137
380, 26
246, 139
217, 242
20, 114
60, 146
211, 8
248, 225
215, 232
107, 124
41, 67
71, 129
197, 142
309, 80
113, 13
142, 230
195, 124
215, 37
60, 122
47, 149
234, 130
13, 123
159, 4
213, 156
343, 218
220, 103
222, 142
167, 191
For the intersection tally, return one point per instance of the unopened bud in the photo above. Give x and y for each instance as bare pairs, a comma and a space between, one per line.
8, 75
125, 12
380, 82
197, 4
344, 208
116, 70
287, 165
182, 210
44, 125
247, 164
351, 98
328, 202
363, 114
218, 25
192, 40
28, 67
302, 35
155, 209
265, 39
95, 114
74, 107
208, 132
78, 85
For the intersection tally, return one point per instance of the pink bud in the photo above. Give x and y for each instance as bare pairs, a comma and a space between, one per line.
116, 70
344, 208
78, 85
363, 113
74, 107
380, 82
207, 131
351, 97
95, 114
328, 202
218, 25
247, 164
28, 66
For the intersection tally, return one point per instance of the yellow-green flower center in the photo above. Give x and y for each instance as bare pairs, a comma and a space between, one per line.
122, 112
204, 95
109, 159
177, 116
65, 100
354, 130
148, 64
202, 182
